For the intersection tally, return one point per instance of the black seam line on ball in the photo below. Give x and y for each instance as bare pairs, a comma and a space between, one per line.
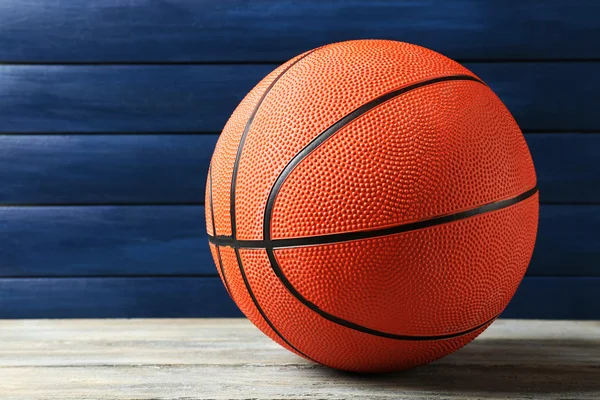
214, 228
259, 308
232, 201
243, 140
351, 325
322, 137
345, 237
357, 327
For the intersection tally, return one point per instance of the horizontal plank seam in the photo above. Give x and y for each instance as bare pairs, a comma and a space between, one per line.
208, 133
111, 276
273, 61
216, 276
107, 133
115, 204
201, 204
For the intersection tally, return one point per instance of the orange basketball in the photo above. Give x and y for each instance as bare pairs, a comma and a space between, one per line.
371, 205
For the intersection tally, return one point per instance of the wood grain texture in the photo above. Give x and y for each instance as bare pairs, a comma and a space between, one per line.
97, 342
173, 297
200, 98
192, 30
545, 96
568, 243
230, 359
182, 297
104, 169
73, 73
64, 99
104, 241
169, 169
171, 240
567, 166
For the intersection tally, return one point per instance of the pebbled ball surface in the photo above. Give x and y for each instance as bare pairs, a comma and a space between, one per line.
226, 150
311, 96
424, 282
437, 150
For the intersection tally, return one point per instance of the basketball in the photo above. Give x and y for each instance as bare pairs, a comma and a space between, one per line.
371, 205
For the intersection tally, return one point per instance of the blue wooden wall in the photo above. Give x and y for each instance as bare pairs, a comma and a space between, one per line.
110, 110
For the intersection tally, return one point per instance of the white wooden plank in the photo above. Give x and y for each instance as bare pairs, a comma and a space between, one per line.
198, 359
298, 382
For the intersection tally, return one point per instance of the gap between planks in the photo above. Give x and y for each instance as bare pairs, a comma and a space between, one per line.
229, 358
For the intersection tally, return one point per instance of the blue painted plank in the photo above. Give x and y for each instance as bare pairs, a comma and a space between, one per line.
200, 98
115, 298
238, 30
546, 96
166, 169
568, 241
551, 298
159, 169
120, 99
107, 240
171, 240
104, 169
556, 298
567, 166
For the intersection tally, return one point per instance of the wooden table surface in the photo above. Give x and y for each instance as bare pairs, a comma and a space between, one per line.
229, 358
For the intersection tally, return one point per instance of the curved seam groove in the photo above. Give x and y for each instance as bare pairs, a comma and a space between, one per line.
232, 203
327, 133
259, 309
238, 154
373, 233
309, 149
357, 327
212, 217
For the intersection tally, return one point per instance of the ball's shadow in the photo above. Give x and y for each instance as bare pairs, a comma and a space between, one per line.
498, 366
